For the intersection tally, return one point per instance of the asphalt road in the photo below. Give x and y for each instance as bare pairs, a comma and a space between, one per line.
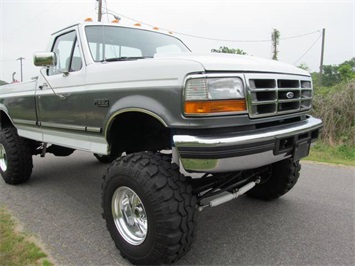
313, 224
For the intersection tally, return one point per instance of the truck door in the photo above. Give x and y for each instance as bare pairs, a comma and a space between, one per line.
61, 98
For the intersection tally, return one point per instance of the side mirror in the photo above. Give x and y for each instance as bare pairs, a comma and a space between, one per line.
45, 59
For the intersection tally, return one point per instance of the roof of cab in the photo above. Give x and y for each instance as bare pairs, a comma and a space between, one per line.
109, 24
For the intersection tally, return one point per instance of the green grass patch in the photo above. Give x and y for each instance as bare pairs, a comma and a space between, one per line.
341, 154
16, 247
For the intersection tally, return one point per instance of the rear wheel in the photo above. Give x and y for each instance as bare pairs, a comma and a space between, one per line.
149, 208
282, 177
15, 157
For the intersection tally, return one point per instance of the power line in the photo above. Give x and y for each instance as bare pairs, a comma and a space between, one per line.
208, 38
301, 35
308, 50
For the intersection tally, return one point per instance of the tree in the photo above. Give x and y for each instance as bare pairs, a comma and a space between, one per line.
347, 69
3, 82
350, 62
331, 75
226, 50
275, 37
346, 72
334, 74
303, 66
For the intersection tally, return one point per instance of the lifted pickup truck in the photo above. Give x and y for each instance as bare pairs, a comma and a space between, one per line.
142, 100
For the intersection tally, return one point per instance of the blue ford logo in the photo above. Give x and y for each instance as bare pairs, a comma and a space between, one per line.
290, 95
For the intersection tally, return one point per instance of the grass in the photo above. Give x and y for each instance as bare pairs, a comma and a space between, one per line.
16, 248
341, 154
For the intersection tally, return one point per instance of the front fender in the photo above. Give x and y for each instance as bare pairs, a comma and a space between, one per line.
141, 104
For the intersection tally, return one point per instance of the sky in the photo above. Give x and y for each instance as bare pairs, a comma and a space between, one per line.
25, 27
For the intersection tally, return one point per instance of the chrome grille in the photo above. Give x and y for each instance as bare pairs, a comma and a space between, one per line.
269, 95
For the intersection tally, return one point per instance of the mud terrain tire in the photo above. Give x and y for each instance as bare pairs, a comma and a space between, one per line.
15, 157
283, 177
149, 208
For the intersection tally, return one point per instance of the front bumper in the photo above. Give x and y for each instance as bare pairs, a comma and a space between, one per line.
246, 150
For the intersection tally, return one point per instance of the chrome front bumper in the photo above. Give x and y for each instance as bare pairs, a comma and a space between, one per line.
246, 150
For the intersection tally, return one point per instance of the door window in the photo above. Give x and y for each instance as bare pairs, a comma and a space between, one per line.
68, 54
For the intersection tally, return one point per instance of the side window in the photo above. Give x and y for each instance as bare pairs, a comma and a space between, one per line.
68, 54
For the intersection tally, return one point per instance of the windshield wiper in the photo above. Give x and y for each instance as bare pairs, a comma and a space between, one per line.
125, 58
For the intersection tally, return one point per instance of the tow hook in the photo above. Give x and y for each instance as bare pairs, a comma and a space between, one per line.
227, 196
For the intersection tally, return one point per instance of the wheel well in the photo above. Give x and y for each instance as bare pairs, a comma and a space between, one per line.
135, 131
5, 121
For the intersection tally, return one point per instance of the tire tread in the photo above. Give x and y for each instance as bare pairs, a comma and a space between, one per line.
171, 198
19, 157
283, 178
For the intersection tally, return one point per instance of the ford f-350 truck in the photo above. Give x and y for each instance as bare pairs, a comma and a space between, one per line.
142, 101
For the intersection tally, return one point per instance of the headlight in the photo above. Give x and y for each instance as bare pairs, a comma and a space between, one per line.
214, 89
214, 95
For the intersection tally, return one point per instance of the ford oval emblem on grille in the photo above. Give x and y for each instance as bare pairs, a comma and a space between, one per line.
290, 95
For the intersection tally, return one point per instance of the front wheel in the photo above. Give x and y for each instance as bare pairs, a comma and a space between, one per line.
281, 178
149, 208
15, 157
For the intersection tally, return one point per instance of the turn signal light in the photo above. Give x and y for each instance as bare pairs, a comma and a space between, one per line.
210, 107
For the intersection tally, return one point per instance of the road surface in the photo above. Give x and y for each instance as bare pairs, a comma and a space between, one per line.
313, 224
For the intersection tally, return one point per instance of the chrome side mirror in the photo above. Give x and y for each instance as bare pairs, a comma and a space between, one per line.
45, 59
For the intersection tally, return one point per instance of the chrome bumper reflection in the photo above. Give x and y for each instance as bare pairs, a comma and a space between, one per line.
244, 151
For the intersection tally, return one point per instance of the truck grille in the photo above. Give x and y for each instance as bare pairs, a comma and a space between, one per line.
270, 96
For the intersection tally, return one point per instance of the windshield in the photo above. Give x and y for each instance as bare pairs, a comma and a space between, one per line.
110, 43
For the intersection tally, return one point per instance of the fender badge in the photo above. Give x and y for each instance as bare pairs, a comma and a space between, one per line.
101, 102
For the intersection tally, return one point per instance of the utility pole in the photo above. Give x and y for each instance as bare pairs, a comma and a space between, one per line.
99, 15
321, 59
275, 37
21, 58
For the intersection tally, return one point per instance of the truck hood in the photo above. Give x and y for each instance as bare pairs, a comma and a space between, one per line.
232, 62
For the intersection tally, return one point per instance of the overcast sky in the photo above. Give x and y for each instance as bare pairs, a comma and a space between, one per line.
25, 26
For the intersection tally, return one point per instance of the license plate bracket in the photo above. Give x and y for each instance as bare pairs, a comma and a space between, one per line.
301, 149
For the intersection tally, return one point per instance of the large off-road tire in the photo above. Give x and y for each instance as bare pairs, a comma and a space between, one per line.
282, 178
149, 208
105, 158
15, 157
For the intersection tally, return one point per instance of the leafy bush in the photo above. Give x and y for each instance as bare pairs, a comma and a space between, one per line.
336, 107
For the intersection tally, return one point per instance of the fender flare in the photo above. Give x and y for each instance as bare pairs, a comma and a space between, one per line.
143, 104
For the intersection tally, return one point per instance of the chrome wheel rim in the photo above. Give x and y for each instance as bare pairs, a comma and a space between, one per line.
129, 216
3, 158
